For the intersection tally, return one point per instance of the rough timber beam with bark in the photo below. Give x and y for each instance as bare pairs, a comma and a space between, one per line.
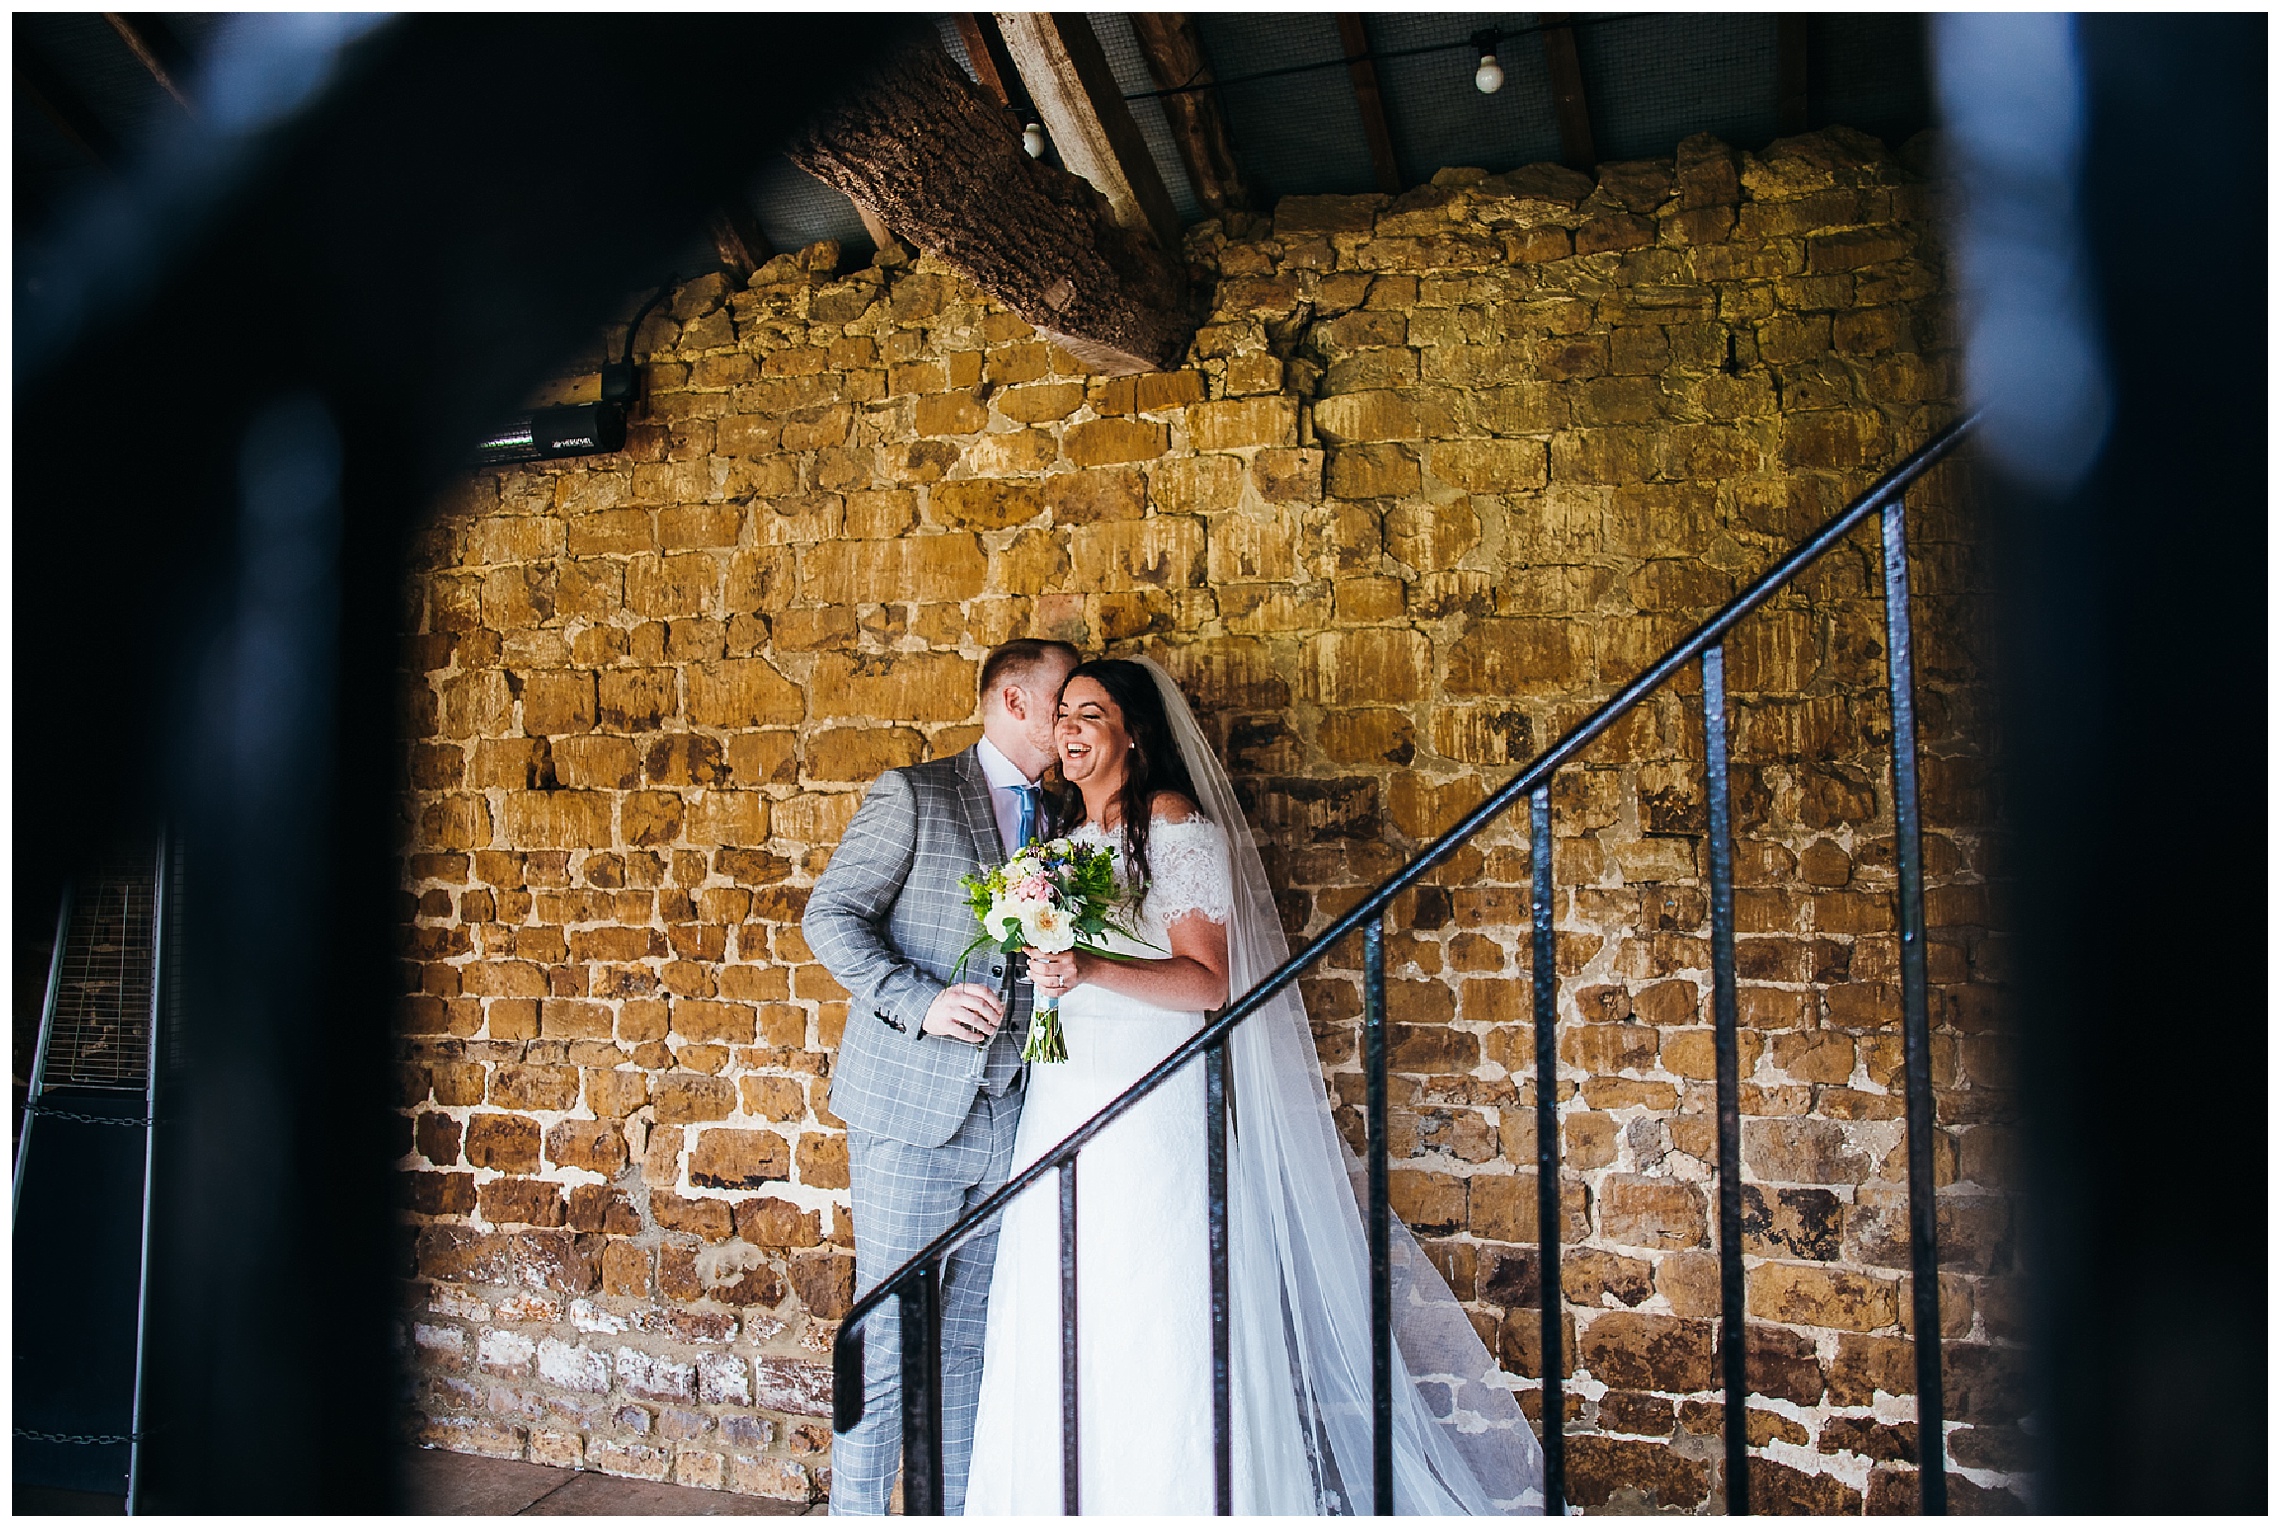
922, 146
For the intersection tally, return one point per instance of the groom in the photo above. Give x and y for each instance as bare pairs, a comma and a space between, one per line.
928, 1076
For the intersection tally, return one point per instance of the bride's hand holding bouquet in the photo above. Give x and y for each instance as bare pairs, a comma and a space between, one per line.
1053, 898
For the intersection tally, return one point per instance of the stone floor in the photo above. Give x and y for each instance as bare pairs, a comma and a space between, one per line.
440, 1484
49, 1501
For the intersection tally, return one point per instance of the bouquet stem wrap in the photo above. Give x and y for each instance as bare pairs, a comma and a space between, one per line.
1044, 1042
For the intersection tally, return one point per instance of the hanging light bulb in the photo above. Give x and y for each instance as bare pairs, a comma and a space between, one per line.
1033, 137
1488, 79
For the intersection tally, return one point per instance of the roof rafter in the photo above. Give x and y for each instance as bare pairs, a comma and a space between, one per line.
881, 235
1569, 103
1791, 53
737, 236
1174, 54
985, 50
1371, 101
151, 48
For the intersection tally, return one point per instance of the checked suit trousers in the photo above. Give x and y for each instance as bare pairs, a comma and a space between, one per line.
905, 1196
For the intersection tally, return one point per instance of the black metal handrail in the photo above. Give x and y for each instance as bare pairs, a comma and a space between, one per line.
917, 1283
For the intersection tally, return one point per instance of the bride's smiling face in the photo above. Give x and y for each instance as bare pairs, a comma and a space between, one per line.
1089, 735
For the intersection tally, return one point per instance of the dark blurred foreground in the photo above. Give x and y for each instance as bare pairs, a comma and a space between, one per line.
241, 378
220, 453
2136, 623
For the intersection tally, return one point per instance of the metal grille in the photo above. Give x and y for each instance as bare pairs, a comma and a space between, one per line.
1653, 80
101, 1036
1295, 133
1121, 47
1868, 71
796, 209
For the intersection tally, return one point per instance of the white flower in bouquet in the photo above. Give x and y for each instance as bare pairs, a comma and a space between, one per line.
1013, 912
1049, 928
1051, 898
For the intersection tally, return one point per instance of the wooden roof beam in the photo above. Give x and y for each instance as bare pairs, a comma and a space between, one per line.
737, 236
1363, 72
1791, 109
1577, 150
155, 49
1174, 53
937, 159
985, 50
1084, 112
882, 237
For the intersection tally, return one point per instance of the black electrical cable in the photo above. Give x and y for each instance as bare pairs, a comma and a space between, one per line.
643, 312
1496, 34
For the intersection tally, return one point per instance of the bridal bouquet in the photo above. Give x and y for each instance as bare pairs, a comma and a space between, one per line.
1052, 896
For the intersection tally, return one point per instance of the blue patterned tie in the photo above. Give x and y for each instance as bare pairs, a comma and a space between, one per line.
1025, 827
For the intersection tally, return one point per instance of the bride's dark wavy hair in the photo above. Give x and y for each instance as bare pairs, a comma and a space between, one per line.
1154, 766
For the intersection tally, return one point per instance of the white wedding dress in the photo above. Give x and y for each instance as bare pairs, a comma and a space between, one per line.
1143, 1293
1298, 1260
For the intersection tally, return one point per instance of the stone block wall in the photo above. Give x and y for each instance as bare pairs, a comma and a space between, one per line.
1442, 473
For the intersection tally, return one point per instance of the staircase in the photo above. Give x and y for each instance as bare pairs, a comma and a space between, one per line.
917, 1283
81, 1205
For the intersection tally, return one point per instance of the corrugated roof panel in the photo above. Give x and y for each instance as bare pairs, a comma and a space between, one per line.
1122, 47
1294, 133
1656, 79
1438, 118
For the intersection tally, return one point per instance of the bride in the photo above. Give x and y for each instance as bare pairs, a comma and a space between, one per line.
1140, 778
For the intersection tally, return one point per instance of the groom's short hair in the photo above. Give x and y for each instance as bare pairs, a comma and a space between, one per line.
1017, 662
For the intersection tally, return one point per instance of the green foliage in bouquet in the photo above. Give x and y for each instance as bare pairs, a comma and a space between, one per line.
1054, 896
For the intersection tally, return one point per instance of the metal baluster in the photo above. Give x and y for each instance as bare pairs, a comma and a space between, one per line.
847, 1379
1726, 1014
1381, 1225
1923, 1194
40, 1052
922, 1391
1215, 1167
1546, 981
1071, 1500
160, 958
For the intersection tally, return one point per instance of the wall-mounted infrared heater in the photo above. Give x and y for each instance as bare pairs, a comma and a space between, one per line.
574, 429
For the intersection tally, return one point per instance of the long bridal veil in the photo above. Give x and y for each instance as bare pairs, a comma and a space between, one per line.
1299, 1259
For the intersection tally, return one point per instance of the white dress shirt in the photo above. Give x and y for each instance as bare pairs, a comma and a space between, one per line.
1005, 791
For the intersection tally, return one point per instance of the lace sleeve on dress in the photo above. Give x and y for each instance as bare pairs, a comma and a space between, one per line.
1187, 871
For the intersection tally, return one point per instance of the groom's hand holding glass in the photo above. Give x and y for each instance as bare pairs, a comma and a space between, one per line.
965, 1011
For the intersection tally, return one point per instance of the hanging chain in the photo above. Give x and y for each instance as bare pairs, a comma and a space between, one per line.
96, 1439
45, 1111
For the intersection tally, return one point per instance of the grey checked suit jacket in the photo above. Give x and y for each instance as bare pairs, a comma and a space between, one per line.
888, 919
